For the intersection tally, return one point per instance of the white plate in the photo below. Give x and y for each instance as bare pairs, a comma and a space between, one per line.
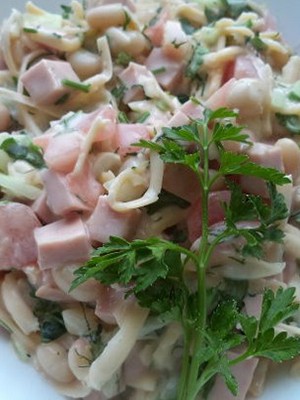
18, 381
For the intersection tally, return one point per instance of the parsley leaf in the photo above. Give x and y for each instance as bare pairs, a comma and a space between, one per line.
26, 151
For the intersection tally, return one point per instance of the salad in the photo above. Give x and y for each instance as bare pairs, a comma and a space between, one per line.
149, 211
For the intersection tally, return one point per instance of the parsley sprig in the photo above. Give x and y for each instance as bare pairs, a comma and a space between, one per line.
154, 270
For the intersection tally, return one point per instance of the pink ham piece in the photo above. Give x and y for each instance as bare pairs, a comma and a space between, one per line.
244, 374
127, 134
267, 156
155, 32
130, 77
41, 209
189, 110
17, 245
43, 81
172, 69
60, 199
105, 222
109, 301
174, 40
62, 151
61, 243
84, 186
192, 109
106, 112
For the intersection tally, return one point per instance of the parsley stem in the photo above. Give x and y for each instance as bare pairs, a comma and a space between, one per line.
204, 180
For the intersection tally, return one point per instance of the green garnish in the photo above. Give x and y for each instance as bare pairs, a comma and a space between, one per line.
49, 315
119, 91
122, 117
30, 30
26, 151
123, 59
158, 71
290, 122
187, 26
258, 44
77, 85
62, 99
66, 11
213, 321
192, 69
143, 117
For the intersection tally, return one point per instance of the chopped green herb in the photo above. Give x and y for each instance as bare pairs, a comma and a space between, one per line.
156, 17
226, 8
5, 326
66, 11
158, 71
49, 315
290, 122
143, 117
294, 93
119, 91
56, 35
122, 118
62, 99
166, 199
15, 80
123, 59
177, 44
187, 26
30, 30
127, 20
192, 69
28, 152
77, 85
183, 98
258, 44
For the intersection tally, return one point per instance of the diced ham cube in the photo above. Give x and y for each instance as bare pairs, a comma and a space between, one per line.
181, 181
108, 113
130, 78
62, 151
109, 300
175, 43
42, 140
179, 119
155, 32
17, 245
127, 134
84, 185
192, 109
105, 222
171, 69
43, 81
41, 209
63, 242
60, 199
